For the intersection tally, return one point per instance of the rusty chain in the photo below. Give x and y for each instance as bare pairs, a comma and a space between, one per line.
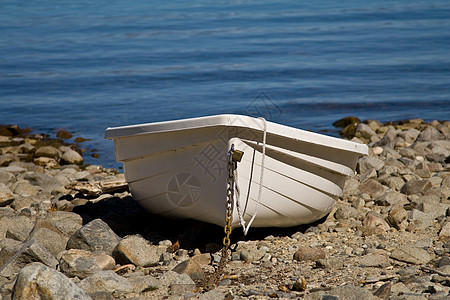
234, 156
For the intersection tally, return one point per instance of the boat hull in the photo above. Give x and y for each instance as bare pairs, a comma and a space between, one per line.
182, 172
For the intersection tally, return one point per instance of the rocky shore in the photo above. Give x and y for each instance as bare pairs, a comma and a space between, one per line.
72, 231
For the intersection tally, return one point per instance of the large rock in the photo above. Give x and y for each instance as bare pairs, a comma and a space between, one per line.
416, 187
106, 281
19, 228
82, 263
25, 188
96, 236
429, 134
369, 162
344, 212
364, 131
48, 151
372, 188
71, 157
7, 178
170, 278
374, 224
393, 182
420, 219
409, 135
392, 198
344, 122
397, 217
49, 237
136, 250
8, 247
191, 268
66, 222
31, 251
36, 281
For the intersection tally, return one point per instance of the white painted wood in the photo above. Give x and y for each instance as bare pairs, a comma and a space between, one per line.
179, 168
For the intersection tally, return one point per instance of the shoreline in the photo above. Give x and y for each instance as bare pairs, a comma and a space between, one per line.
388, 237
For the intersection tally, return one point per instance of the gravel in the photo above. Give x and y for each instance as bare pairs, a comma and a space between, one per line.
73, 231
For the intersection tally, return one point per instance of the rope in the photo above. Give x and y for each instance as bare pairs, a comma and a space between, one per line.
245, 227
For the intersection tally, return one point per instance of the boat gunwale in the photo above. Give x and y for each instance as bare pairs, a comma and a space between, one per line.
237, 121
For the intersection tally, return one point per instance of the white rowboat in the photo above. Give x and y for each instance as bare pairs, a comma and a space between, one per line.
179, 169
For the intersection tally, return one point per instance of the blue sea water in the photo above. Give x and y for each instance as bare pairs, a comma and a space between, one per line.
87, 65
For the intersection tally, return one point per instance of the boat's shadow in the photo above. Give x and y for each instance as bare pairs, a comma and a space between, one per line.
126, 217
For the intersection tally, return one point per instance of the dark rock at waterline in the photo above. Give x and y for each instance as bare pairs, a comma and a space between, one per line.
64, 134
346, 121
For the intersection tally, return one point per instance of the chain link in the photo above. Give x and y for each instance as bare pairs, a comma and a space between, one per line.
232, 164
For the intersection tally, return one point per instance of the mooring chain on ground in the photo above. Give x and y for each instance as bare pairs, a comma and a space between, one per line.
234, 156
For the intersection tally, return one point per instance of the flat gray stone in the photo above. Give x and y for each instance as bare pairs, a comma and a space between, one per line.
46, 182
106, 281
37, 281
350, 292
370, 260
79, 263
411, 254
142, 283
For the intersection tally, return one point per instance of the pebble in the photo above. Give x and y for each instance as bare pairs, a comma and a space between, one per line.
388, 237
308, 253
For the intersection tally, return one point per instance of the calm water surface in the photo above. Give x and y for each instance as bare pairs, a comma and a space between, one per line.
86, 65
